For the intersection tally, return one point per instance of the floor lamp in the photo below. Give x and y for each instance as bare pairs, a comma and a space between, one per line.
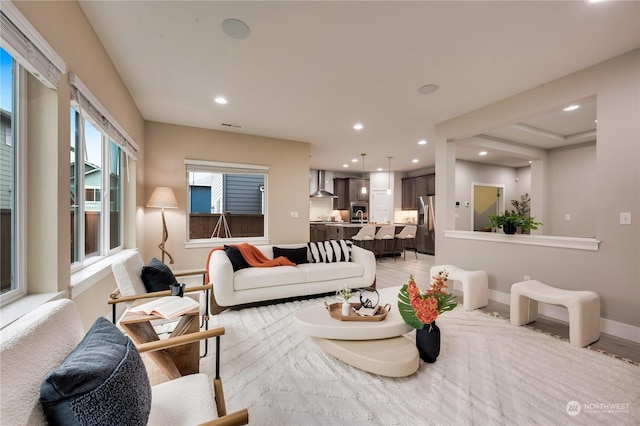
163, 197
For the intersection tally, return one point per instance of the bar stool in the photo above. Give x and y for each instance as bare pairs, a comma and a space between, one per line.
384, 234
408, 233
366, 233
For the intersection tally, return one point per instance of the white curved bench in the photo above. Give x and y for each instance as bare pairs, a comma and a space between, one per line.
475, 285
583, 307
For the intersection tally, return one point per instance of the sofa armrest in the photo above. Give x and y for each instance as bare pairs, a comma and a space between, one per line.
221, 277
367, 259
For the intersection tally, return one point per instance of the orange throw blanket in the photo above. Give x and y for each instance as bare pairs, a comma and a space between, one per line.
253, 256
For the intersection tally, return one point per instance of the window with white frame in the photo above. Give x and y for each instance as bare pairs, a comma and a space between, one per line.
8, 171
24, 54
226, 200
98, 151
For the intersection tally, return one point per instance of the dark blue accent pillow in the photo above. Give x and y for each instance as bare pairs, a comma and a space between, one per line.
157, 276
103, 381
295, 255
237, 260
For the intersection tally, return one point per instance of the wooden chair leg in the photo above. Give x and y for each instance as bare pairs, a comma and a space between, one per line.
219, 394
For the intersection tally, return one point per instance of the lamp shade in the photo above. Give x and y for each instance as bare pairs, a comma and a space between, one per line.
163, 197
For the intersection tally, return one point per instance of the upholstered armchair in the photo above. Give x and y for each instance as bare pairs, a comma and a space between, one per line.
97, 377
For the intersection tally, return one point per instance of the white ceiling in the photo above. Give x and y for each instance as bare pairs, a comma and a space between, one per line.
309, 70
507, 146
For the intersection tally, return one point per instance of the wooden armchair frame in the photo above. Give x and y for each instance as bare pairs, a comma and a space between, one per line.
115, 297
240, 417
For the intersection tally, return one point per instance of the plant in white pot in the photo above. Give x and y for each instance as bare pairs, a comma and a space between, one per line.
345, 293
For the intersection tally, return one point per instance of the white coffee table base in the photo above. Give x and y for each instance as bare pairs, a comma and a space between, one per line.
394, 357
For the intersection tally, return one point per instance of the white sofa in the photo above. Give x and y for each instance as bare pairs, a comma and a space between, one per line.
259, 284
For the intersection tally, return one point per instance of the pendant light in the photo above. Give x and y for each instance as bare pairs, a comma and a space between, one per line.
364, 186
389, 177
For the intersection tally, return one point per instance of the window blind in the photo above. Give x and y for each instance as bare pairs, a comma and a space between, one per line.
26, 45
82, 98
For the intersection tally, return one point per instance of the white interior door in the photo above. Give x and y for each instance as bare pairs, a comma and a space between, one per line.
381, 208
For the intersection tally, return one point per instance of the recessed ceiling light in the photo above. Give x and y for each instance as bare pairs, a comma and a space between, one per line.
379, 169
235, 28
530, 161
428, 89
482, 153
346, 166
355, 160
422, 142
415, 160
358, 126
571, 108
220, 100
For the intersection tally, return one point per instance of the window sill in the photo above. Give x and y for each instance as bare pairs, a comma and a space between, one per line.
14, 310
217, 242
87, 277
575, 243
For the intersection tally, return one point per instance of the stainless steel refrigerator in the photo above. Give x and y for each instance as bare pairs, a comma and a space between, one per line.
426, 238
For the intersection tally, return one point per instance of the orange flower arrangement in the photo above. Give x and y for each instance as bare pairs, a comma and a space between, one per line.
420, 308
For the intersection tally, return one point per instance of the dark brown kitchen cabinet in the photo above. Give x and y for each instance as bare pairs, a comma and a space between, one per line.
355, 189
409, 201
415, 187
349, 189
341, 190
317, 232
431, 184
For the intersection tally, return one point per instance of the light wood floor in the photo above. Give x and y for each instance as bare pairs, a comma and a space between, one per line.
390, 273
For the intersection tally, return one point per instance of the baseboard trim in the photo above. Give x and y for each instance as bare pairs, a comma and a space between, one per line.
560, 313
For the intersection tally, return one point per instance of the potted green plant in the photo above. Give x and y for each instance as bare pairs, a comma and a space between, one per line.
508, 221
518, 220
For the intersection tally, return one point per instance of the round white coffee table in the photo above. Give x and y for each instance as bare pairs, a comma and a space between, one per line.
374, 346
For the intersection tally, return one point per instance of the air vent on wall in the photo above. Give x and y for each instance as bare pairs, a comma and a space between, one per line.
235, 126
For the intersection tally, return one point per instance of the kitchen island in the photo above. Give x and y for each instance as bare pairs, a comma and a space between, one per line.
346, 230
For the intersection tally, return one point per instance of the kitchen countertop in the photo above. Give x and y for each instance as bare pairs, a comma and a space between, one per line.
355, 225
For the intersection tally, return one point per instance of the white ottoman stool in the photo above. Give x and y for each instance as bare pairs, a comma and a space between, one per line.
475, 285
583, 306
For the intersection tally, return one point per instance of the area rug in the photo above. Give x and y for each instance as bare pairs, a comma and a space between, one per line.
488, 373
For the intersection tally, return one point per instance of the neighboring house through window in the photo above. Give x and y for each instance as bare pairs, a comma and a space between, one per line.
226, 200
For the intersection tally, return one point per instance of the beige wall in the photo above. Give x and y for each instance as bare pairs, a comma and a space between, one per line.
613, 271
288, 183
66, 29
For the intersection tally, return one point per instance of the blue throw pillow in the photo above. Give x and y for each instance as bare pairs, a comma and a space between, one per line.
237, 260
157, 276
103, 381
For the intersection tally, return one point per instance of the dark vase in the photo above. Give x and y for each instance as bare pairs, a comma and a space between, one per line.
509, 228
428, 342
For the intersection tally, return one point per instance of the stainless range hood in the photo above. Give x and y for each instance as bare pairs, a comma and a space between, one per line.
321, 192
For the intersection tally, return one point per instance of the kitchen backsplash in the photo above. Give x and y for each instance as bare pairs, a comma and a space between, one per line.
320, 209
